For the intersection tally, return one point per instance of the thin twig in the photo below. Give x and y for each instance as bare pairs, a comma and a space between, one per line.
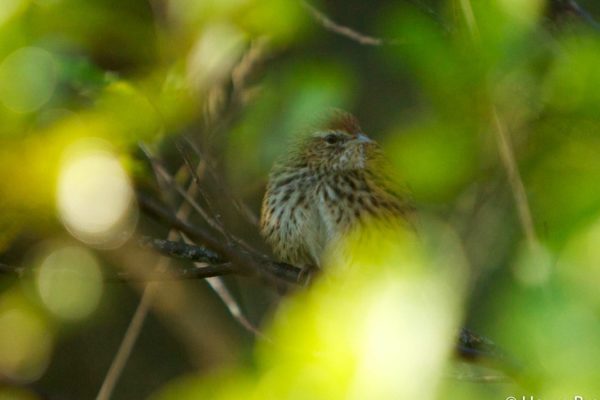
514, 178
231, 238
241, 207
227, 298
241, 72
232, 241
505, 148
135, 326
189, 199
584, 14
345, 31
217, 221
566, 6
216, 284
263, 266
215, 264
129, 338
153, 208
202, 164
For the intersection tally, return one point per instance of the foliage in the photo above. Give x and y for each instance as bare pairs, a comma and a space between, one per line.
84, 82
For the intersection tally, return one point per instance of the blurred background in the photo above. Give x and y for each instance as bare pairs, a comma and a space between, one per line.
488, 113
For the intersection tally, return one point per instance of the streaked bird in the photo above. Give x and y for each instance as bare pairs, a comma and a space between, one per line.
328, 184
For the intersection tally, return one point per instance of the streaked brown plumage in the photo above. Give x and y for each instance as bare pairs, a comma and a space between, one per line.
328, 184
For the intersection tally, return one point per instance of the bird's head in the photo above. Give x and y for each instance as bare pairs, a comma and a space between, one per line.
339, 145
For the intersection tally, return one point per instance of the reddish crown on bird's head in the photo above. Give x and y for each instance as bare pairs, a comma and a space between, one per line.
343, 121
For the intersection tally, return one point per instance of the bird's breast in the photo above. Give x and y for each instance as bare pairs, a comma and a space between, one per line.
290, 220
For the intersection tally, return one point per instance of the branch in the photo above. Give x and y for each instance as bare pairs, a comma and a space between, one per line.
472, 346
162, 213
215, 222
505, 149
232, 241
185, 251
342, 30
243, 209
507, 157
136, 324
170, 274
274, 272
178, 274
181, 250
572, 7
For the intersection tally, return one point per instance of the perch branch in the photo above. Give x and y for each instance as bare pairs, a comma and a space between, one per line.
232, 242
181, 250
171, 274
178, 274
273, 271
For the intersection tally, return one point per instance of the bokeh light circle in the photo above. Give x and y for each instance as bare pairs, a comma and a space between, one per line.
94, 196
69, 283
25, 345
27, 79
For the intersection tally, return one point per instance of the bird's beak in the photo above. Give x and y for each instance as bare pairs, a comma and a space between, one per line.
362, 138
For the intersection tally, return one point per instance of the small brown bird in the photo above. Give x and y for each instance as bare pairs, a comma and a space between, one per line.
328, 184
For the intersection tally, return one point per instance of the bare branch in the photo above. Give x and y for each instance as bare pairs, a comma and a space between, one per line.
241, 72
233, 307
136, 324
267, 269
505, 149
163, 174
232, 241
239, 205
181, 250
475, 346
559, 7
342, 30
514, 177
216, 221
201, 271
214, 264
156, 209
261, 265
227, 298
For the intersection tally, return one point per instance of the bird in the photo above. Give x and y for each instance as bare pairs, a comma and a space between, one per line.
327, 184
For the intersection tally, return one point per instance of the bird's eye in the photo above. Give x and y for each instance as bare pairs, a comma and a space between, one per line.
331, 139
